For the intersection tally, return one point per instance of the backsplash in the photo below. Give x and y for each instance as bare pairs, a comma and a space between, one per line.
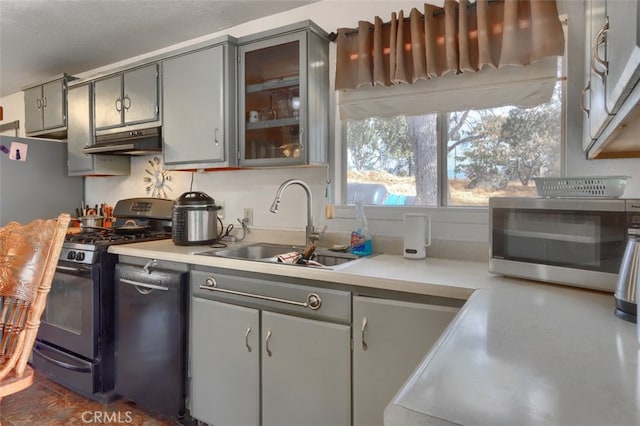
256, 189
235, 189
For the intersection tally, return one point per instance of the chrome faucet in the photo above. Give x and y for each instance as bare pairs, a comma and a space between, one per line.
310, 233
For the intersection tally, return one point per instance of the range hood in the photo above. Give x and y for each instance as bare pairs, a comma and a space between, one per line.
130, 142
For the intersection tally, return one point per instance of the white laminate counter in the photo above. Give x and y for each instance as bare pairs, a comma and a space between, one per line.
432, 276
519, 352
526, 355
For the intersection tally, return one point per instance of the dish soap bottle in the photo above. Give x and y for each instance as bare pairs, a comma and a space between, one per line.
361, 243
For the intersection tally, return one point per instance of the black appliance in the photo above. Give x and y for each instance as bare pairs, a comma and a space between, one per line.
151, 335
76, 338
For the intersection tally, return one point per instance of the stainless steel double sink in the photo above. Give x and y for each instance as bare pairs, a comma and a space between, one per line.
268, 252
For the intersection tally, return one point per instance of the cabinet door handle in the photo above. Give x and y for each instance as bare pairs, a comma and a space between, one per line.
126, 102
364, 327
587, 88
267, 342
600, 40
118, 104
39, 103
44, 102
300, 144
215, 136
246, 339
313, 301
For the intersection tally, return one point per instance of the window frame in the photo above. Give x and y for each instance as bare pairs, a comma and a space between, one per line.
468, 224
442, 184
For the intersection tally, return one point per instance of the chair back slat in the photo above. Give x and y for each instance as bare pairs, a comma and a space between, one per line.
28, 258
12, 322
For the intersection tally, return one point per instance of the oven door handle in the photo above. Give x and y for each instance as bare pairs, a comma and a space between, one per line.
65, 365
80, 270
143, 288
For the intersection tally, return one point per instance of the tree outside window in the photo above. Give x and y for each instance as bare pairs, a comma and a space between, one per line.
491, 152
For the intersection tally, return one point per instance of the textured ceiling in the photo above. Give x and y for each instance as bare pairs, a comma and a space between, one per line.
40, 39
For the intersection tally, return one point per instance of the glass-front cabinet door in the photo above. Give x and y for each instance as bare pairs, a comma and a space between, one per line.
283, 94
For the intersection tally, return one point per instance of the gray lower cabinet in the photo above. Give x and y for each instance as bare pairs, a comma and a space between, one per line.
305, 372
80, 134
390, 339
252, 367
198, 123
225, 363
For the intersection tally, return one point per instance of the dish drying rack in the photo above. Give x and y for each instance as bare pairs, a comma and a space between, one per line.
583, 186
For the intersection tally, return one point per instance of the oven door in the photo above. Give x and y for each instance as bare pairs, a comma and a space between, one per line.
70, 318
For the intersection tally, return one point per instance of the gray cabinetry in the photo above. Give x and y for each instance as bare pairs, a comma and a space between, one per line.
613, 67
596, 114
80, 134
127, 98
225, 363
390, 338
305, 371
623, 51
283, 102
251, 365
199, 92
46, 108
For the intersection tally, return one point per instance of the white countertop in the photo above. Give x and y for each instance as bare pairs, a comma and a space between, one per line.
526, 355
519, 352
431, 276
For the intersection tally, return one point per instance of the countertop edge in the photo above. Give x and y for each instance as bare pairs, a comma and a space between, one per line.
365, 273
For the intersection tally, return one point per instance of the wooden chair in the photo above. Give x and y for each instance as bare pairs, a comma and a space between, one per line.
28, 258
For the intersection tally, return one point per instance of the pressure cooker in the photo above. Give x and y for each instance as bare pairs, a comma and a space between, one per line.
195, 219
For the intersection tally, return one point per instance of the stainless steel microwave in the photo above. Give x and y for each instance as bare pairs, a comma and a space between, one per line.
571, 241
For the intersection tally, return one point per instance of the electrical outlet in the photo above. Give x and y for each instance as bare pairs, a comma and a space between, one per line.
247, 216
221, 211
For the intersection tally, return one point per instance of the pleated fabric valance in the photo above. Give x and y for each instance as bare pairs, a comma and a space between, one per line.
458, 39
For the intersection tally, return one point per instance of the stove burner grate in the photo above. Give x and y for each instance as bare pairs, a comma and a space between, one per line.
109, 237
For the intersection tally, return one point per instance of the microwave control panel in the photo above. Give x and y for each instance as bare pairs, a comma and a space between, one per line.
633, 217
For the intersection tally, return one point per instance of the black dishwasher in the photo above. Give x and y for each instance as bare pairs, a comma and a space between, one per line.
151, 337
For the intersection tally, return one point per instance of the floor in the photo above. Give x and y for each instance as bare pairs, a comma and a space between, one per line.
46, 403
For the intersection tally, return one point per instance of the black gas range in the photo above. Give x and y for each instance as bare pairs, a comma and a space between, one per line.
75, 343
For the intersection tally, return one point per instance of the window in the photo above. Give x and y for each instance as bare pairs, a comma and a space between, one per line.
460, 158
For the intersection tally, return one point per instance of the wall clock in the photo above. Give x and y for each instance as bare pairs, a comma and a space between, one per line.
157, 179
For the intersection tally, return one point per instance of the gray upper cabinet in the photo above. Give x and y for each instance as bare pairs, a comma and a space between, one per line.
623, 51
597, 116
46, 108
198, 108
283, 100
127, 98
611, 93
80, 133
